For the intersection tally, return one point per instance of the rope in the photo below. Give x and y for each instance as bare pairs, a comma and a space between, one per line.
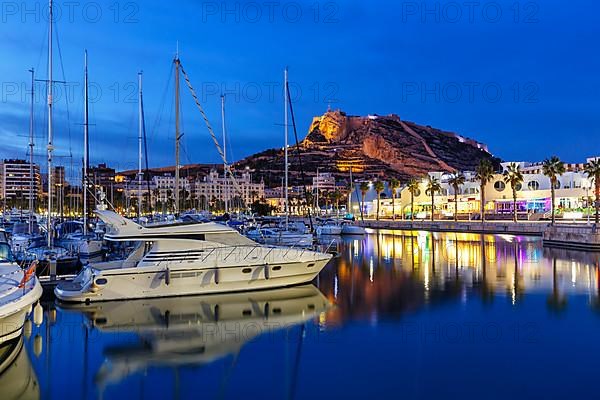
210, 131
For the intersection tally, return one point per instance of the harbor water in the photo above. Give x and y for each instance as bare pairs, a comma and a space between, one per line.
396, 315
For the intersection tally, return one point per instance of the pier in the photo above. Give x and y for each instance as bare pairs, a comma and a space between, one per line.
572, 236
586, 237
491, 227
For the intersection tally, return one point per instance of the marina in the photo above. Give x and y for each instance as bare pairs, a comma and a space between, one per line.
396, 297
196, 202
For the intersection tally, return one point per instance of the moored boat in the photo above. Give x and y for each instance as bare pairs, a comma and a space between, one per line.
178, 260
19, 289
350, 228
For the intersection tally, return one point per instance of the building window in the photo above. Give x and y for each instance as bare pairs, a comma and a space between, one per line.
533, 185
499, 186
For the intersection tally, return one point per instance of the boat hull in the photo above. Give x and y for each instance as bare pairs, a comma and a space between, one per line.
329, 230
353, 230
135, 283
14, 310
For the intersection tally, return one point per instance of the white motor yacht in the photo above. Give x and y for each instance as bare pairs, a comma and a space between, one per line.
188, 259
195, 330
19, 289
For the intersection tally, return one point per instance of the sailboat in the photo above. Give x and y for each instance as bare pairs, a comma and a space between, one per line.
289, 234
74, 235
49, 254
27, 233
349, 227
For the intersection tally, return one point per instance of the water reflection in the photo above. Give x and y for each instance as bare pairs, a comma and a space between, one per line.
290, 342
129, 338
17, 378
195, 330
389, 273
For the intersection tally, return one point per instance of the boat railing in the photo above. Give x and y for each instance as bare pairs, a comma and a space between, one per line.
227, 252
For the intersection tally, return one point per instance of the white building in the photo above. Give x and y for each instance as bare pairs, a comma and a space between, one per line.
216, 187
574, 196
165, 187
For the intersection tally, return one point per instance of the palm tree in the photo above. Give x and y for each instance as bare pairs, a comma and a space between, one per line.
364, 188
433, 186
484, 173
553, 168
413, 188
456, 181
514, 177
336, 196
379, 186
592, 170
394, 185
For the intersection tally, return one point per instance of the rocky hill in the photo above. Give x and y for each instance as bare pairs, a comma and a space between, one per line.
373, 146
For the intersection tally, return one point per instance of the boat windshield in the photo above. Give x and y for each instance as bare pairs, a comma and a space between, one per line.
5, 253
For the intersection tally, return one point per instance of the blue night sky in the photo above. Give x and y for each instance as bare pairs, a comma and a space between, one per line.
521, 77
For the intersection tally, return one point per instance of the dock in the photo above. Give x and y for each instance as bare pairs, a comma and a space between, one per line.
489, 227
581, 237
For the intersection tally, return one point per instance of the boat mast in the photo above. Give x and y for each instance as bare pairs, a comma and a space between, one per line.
351, 190
31, 169
50, 147
177, 134
285, 151
317, 195
86, 146
225, 189
140, 133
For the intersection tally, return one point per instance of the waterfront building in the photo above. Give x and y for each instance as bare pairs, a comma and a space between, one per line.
573, 190
16, 183
217, 188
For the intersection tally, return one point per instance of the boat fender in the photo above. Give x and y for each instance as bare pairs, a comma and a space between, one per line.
267, 271
217, 276
168, 276
38, 314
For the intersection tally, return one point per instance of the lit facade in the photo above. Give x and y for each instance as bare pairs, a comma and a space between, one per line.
16, 180
217, 187
574, 194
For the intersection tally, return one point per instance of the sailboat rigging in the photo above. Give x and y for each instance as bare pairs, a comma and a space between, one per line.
50, 147
299, 156
31, 146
